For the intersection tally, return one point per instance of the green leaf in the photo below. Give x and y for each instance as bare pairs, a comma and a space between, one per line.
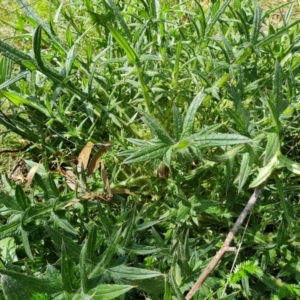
8, 249
108, 291
131, 273
218, 139
280, 104
216, 17
82, 266
11, 81
33, 283
156, 128
246, 165
17, 100
26, 244
177, 121
9, 229
37, 38
62, 222
14, 289
176, 290
273, 146
119, 17
22, 198
265, 172
59, 238
124, 45
256, 24
270, 38
189, 119
67, 269
147, 153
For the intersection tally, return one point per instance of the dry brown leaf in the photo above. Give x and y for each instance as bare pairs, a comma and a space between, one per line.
71, 179
123, 191
84, 156
30, 176
95, 161
72, 202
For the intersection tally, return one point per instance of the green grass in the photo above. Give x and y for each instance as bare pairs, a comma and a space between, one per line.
150, 123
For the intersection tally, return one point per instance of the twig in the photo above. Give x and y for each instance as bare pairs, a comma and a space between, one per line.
16, 150
226, 243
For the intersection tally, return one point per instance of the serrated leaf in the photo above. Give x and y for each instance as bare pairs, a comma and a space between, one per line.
147, 153
156, 128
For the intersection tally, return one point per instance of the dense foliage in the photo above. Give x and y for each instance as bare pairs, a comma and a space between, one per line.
148, 125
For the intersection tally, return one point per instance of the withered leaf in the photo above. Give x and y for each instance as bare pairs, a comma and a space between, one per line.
30, 175
95, 161
84, 156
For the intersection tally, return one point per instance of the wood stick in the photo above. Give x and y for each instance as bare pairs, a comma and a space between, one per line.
226, 245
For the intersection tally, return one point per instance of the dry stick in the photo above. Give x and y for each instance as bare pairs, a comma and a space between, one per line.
225, 247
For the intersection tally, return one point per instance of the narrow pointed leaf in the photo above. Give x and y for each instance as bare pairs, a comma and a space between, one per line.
22, 198
17, 101
218, 139
131, 273
37, 38
11, 81
189, 119
177, 121
156, 128
124, 45
33, 283
108, 291
265, 172
67, 269
148, 153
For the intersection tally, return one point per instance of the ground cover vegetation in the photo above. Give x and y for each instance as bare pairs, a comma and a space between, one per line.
145, 126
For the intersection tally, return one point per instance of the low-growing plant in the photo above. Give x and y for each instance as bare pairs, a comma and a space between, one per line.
203, 103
